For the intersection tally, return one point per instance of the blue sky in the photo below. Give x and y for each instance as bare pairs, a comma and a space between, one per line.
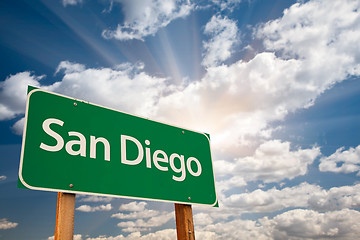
275, 83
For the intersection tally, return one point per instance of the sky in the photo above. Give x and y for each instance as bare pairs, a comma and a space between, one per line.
275, 83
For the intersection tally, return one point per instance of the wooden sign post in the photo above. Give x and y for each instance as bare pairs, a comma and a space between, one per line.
64, 227
184, 222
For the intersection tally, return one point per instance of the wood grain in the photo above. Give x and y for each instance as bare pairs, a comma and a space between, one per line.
65, 210
184, 222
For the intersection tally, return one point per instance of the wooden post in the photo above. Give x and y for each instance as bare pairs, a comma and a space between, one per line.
184, 222
65, 210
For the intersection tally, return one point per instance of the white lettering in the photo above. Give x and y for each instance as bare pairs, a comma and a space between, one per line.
94, 141
59, 140
148, 154
188, 165
157, 159
178, 170
124, 159
81, 142
128, 156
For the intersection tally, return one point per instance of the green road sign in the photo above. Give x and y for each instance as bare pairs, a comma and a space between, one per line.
74, 146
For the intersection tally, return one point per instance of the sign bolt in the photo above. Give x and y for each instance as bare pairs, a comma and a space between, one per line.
189, 198
75, 104
71, 185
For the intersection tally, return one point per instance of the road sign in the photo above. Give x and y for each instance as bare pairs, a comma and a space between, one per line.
75, 146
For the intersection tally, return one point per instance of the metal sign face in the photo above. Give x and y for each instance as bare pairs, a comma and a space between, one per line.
75, 146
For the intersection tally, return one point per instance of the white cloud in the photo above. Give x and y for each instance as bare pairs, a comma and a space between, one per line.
2, 177
13, 94
201, 219
224, 35
304, 195
145, 218
95, 85
309, 224
342, 161
273, 199
145, 225
18, 127
231, 183
227, 4
146, 213
143, 18
166, 234
316, 47
133, 206
297, 224
71, 2
321, 35
5, 224
93, 198
69, 67
234, 103
75, 237
87, 208
235, 230
272, 161
335, 198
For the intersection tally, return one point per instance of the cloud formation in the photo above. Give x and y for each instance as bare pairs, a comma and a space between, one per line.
342, 161
13, 94
133, 206
93, 198
166, 234
309, 224
297, 224
223, 36
142, 219
234, 103
136, 215
304, 195
75, 237
272, 161
5, 224
144, 18
306, 52
87, 208
319, 34
140, 225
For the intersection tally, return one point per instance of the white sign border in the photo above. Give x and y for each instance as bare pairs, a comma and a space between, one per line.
100, 194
